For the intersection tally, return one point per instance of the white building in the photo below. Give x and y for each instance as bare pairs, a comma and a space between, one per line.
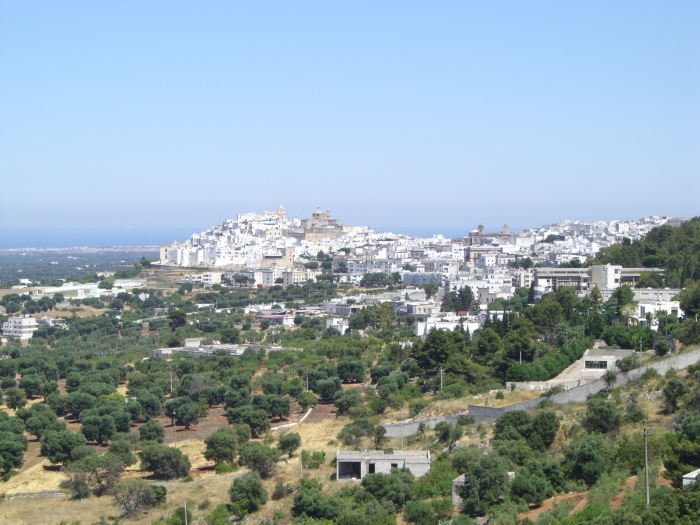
22, 327
206, 279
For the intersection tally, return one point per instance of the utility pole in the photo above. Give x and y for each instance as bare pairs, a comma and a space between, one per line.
440, 378
521, 357
646, 463
401, 418
301, 466
185, 511
171, 379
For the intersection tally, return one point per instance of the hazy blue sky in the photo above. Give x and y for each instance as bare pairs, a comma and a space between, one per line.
436, 114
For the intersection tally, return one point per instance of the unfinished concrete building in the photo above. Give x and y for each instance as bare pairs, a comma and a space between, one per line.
351, 465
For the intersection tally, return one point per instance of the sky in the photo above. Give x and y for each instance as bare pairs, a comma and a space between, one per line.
411, 116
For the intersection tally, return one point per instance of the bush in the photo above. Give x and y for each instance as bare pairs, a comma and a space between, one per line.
312, 460
222, 446
602, 416
151, 430
135, 494
259, 458
288, 443
164, 462
420, 513
247, 494
465, 421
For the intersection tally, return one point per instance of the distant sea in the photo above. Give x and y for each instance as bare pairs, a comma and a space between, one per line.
92, 237
13, 238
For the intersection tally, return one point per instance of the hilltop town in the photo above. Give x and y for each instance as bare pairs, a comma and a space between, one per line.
352, 374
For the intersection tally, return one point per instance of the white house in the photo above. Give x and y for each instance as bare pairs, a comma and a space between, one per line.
22, 327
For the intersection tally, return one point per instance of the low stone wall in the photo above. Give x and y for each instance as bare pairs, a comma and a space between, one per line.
573, 395
410, 426
545, 385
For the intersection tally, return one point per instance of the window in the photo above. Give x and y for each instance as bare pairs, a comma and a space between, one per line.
597, 365
394, 465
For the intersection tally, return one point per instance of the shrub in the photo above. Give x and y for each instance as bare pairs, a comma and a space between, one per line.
288, 443
259, 458
465, 421
420, 513
247, 494
164, 462
133, 495
312, 460
151, 430
222, 446
602, 416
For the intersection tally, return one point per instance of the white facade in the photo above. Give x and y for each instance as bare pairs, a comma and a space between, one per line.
22, 327
206, 279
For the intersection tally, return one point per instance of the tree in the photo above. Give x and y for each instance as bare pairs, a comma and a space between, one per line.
164, 462
12, 448
546, 425
485, 484
255, 418
690, 300
187, 414
150, 404
430, 289
673, 391
98, 428
288, 443
122, 450
152, 430
396, 487
58, 445
230, 335
587, 458
15, 398
279, 406
420, 513
602, 416
222, 446
259, 458
306, 399
133, 495
351, 371
530, 488
116, 304
177, 318
327, 388
264, 324
609, 378
379, 436
247, 494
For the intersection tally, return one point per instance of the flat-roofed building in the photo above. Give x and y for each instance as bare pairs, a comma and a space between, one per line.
353, 466
21, 327
598, 361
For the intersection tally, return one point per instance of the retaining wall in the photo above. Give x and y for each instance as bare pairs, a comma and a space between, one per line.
410, 426
573, 395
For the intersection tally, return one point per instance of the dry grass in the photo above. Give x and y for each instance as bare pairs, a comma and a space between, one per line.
34, 479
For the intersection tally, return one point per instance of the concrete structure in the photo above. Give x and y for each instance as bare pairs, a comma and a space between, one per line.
478, 237
206, 279
338, 323
208, 350
598, 361
353, 466
419, 278
691, 477
21, 327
